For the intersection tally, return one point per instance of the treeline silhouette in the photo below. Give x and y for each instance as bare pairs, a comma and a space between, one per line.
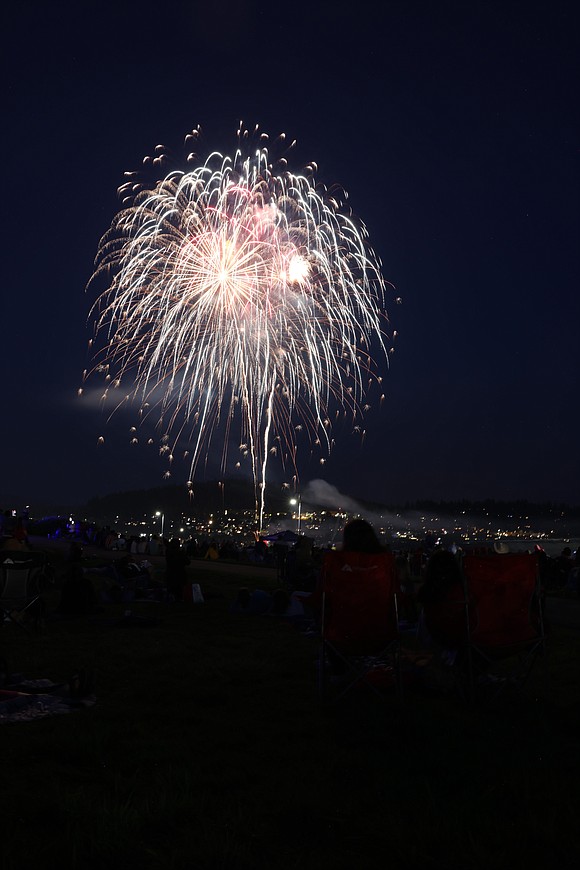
238, 495
497, 508
175, 499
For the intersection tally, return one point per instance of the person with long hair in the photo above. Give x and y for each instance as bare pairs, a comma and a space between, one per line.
358, 536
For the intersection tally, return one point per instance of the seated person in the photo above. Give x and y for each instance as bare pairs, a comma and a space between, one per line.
78, 594
358, 536
155, 546
574, 575
406, 594
124, 579
252, 603
441, 597
259, 602
212, 552
562, 566
16, 542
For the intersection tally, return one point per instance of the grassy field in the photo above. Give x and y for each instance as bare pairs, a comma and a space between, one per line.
207, 748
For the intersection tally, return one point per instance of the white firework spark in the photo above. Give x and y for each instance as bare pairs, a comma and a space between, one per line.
242, 295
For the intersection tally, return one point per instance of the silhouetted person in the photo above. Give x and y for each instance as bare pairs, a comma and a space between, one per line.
562, 566
441, 597
260, 550
442, 574
406, 593
176, 562
78, 595
574, 575
358, 536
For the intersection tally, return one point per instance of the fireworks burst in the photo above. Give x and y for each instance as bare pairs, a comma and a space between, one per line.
239, 295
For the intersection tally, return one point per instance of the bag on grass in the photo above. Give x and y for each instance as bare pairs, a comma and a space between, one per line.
192, 592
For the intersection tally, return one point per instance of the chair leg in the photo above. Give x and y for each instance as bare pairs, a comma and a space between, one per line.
348, 675
18, 616
321, 673
15, 617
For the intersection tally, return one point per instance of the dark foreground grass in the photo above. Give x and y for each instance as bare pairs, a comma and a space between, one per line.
207, 749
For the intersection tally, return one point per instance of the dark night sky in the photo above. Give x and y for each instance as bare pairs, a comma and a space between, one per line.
454, 128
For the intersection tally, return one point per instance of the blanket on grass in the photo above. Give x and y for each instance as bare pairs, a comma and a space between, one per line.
28, 700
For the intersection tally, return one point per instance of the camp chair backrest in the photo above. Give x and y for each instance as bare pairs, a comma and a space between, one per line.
36, 556
16, 580
503, 597
359, 601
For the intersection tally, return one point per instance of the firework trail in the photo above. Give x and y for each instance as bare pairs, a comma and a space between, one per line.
240, 298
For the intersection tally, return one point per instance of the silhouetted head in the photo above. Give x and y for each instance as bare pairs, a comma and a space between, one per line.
359, 536
443, 569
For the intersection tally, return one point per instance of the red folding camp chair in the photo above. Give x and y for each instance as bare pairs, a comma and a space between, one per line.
506, 628
359, 626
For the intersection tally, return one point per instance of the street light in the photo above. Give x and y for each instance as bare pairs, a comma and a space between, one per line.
297, 501
162, 515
